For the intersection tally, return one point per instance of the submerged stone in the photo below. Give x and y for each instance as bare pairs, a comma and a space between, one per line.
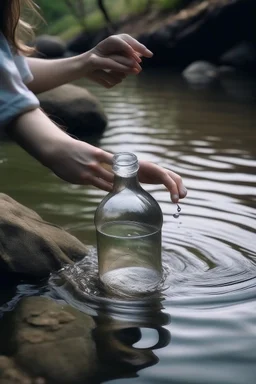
39, 351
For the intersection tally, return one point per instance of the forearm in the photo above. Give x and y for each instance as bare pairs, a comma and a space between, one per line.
49, 74
38, 135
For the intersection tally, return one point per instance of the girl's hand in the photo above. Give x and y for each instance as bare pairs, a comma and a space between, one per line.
151, 173
113, 59
80, 163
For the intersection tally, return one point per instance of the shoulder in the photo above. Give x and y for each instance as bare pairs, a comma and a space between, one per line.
5, 49
8, 59
15, 97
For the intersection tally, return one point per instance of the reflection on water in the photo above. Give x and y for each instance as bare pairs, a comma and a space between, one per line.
128, 332
127, 344
207, 136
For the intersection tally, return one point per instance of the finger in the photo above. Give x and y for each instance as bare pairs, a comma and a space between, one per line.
104, 158
103, 82
101, 184
99, 171
137, 46
115, 43
174, 184
106, 166
119, 74
109, 64
123, 43
152, 173
178, 180
136, 56
171, 185
127, 61
111, 77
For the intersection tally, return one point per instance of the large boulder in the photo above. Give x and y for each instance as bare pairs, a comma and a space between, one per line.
76, 109
203, 31
47, 342
31, 246
49, 47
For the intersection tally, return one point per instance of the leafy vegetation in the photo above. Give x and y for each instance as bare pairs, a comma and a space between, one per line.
63, 21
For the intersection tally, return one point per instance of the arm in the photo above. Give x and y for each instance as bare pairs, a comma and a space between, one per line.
107, 64
49, 74
76, 161
72, 160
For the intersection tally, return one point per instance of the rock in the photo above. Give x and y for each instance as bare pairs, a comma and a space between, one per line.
48, 343
87, 40
11, 374
201, 73
226, 70
202, 31
74, 108
49, 47
82, 42
31, 246
241, 56
239, 85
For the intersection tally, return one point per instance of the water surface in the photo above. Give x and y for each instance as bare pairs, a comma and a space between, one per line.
202, 327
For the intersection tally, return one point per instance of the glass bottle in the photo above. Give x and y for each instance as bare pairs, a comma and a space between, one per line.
128, 225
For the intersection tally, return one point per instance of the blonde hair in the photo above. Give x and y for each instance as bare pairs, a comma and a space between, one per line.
13, 27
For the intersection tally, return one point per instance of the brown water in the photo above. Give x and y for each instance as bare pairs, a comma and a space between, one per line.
201, 327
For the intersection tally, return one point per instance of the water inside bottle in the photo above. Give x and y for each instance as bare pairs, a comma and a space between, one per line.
130, 257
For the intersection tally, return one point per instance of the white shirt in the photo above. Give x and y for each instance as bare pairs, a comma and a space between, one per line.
15, 97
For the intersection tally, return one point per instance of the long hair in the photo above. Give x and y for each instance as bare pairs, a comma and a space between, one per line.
13, 27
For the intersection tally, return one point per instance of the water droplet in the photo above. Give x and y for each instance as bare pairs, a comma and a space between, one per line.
177, 215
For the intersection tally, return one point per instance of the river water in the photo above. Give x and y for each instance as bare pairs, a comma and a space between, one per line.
201, 328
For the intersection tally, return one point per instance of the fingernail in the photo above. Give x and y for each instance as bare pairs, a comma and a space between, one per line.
148, 51
175, 198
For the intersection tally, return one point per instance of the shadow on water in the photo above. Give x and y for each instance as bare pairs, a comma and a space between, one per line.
128, 332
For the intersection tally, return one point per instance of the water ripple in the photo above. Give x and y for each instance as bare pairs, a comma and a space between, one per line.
209, 256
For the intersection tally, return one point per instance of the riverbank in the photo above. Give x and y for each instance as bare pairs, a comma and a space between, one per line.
219, 31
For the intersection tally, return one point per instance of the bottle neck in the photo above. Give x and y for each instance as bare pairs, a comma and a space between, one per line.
125, 168
121, 183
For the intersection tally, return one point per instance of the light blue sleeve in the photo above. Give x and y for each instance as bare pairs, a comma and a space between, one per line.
15, 97
22, 65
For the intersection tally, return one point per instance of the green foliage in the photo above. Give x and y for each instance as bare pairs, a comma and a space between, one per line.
61, 22
52, 10
170, 4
